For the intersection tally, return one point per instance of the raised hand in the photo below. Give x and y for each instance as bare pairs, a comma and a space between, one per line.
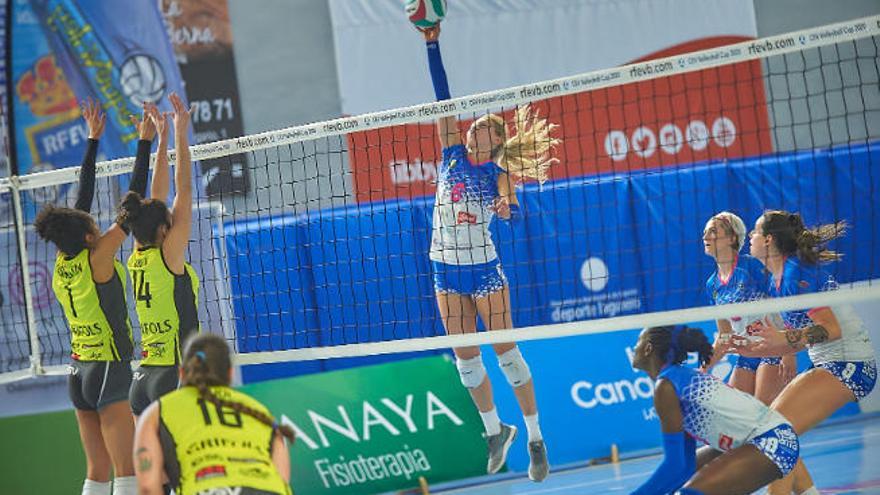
95, 118
181, 114
432, 33
145, 127
159, 122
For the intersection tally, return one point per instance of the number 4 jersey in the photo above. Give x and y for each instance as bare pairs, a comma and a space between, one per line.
166, 305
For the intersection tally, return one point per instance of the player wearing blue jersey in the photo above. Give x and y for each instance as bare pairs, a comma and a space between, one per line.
741, 278
835, 337
749, 444
475, 183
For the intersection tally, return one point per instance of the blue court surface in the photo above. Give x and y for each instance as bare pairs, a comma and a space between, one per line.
843, 458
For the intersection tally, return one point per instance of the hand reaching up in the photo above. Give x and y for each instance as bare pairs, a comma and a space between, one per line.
145, 127
95, 118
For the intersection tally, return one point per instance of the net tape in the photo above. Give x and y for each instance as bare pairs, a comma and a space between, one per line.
847, 294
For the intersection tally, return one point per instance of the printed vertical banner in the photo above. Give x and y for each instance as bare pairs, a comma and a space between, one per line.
4, 111
201, 34
366, 430
67, 51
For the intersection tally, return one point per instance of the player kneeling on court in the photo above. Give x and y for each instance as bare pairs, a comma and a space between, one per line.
749, 444
207, 436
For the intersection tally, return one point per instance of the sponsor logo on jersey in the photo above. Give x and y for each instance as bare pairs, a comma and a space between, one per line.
209, 472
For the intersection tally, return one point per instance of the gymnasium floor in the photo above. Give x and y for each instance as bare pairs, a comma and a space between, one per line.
843, 458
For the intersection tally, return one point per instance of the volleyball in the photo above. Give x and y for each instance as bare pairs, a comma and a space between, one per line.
425, 13
142, 79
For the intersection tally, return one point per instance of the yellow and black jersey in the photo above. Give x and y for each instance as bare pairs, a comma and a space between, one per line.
206, 446
166, 305
97, 313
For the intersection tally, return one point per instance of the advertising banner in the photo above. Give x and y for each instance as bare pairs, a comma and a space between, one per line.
67, 51
4, 110
369, 431
201, 34
713, 114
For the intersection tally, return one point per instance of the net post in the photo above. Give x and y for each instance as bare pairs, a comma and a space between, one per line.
20, 232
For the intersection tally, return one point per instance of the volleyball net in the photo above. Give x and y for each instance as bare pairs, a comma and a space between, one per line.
328, 255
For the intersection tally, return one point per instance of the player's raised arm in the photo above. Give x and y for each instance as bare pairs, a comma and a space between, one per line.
447, 127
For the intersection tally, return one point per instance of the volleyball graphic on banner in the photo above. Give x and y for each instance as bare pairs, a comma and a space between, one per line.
142, 79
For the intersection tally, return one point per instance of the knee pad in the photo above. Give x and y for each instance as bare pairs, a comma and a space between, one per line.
471, 371
515, 368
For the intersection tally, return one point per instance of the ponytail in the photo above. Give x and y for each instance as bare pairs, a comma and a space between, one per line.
207, 364
526, 153
793, 238
142, 217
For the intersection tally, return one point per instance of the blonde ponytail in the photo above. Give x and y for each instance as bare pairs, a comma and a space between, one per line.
526, 153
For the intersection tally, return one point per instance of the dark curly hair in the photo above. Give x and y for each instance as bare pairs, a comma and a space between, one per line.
687, 340
65, 227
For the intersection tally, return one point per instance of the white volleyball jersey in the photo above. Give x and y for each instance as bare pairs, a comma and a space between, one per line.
463, 210
716, 414
854, 343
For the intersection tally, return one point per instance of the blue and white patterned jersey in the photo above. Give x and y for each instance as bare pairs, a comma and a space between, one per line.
747, 282
716, 414
798, 278
463, 210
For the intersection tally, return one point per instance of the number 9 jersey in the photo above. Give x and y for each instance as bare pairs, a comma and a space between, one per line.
166, 305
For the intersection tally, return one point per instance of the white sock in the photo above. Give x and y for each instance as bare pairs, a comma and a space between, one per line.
810, 491
125, 485
491, 422
533, 427
92, 487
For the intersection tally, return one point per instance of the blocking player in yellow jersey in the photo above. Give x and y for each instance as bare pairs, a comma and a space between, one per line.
90, 286
207, 437
165, 286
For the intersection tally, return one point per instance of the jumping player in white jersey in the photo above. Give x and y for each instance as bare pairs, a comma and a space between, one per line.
835, 337
741, 278
749, 444
475, 183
